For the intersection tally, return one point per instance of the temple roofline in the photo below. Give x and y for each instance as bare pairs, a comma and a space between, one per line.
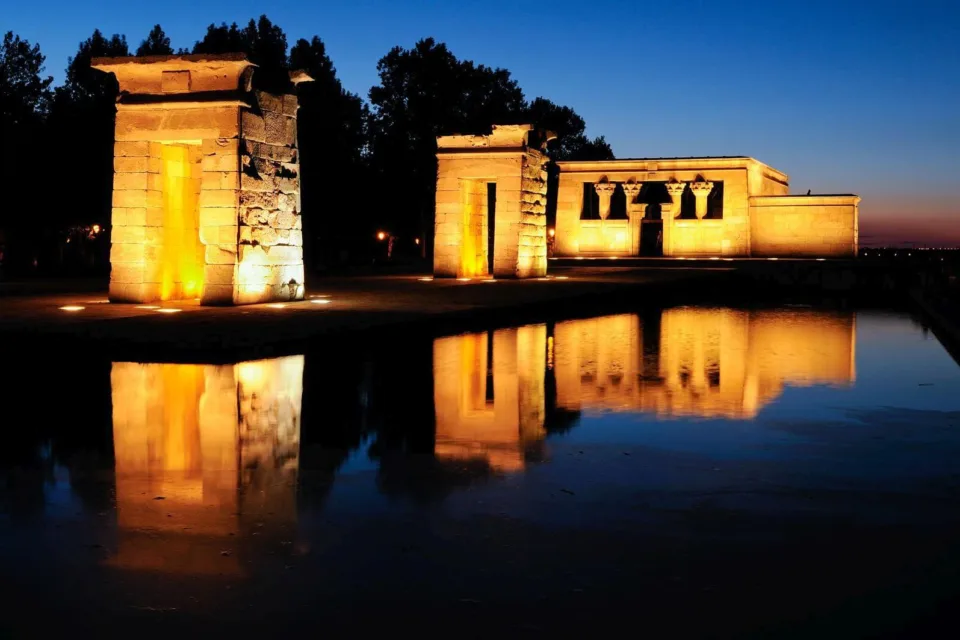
189, 57
669, 164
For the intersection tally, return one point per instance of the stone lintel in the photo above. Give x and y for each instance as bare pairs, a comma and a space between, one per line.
176, 74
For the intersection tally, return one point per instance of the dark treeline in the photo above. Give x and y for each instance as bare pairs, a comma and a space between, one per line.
367, 165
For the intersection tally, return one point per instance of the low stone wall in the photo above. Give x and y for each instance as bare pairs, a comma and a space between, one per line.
804, 226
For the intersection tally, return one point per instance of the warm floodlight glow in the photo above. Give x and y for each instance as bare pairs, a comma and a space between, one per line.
277, 305
320, 301
168, 310
147, 306
821, 259
551, 232
579, 258
72, 307
714, 258
181, 270
96, 229
381, 235
463, 279
562, 277
427, 279
773, 258
416, 240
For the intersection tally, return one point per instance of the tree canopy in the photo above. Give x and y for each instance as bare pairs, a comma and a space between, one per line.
156, 44
24, 92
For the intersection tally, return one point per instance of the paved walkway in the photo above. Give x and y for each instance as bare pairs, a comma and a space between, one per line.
185, 330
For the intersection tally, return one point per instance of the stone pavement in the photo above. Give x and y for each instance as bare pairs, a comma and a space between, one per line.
187, 331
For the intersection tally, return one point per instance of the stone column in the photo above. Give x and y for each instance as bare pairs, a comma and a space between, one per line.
605, 191
635, 215
701, 190
669, 212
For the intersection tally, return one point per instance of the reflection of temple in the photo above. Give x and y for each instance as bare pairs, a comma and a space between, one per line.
702, 362
489, 395
202, 451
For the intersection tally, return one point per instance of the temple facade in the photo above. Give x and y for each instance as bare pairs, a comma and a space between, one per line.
696, 207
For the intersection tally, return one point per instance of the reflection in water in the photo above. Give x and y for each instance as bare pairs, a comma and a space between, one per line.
221, 444
489, 395
699, 362
201, 452
491, 388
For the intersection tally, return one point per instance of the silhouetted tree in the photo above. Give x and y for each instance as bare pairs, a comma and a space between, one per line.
24, 92
82, 118
425, 92
571, 142
24, 99
332, 139
263, 42
156, 44
222, 39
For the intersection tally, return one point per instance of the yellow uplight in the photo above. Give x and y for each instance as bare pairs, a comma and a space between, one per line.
147, 306
167, 310
277, 305
96, 228
320, 301
72, 307
551, 232
381, 235
563, 277
464, 279
427, 279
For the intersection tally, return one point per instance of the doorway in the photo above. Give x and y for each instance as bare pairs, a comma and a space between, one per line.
491, 223
181, 252
651, 238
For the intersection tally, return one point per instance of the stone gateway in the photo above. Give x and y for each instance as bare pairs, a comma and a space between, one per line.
206, 190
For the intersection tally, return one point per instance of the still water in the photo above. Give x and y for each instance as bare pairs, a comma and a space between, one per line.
720, 471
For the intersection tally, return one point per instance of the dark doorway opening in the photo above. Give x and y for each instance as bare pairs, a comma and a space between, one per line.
651, 238
491, 222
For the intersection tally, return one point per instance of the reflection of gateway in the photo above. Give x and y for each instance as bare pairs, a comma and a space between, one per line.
218, 444
700, 362
489, 395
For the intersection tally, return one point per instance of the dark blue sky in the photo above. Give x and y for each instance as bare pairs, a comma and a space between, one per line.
847, 96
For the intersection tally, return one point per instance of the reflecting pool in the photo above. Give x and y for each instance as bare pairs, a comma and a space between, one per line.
721, 471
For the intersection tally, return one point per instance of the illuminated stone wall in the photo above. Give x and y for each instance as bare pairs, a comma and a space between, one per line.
759, 218
466, 165
699, 362
814, 226
199, 450
206, 184
489, 395
271, 236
